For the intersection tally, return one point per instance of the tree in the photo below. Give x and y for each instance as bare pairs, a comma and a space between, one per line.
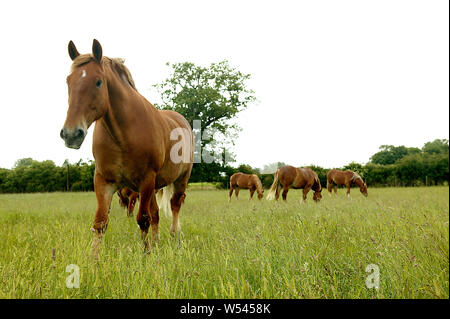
214, 95
410, 169
389, 154
247, 169
436, 147
321, 173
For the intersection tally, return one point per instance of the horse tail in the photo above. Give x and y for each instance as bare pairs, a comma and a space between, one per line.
163, 197
273, 188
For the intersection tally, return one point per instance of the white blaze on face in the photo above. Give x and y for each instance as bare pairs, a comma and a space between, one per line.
83, 73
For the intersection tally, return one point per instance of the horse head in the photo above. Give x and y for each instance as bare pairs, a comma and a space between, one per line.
317, 196
261, 194
363, 189
88, 94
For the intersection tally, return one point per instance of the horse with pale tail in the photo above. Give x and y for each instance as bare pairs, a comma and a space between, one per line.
347, 178
246, 181
296, 178
135, 145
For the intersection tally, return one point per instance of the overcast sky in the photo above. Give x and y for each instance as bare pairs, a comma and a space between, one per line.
334, 79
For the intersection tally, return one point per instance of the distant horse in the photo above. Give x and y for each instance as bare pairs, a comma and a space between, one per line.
127, 199
347, 178
246, 181
289, 176
134, 145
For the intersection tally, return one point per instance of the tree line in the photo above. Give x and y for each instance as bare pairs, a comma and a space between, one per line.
214, 95
391, 166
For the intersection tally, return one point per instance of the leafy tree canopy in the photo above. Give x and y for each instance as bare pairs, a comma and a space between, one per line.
389, 154
438, 146
214, 95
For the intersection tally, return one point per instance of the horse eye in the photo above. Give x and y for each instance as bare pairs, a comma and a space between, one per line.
98, 83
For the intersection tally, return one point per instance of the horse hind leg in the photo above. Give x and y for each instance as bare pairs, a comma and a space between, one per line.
175, 203
236, 192
277, 193
329, 187
285, 191
131, 204
231, 192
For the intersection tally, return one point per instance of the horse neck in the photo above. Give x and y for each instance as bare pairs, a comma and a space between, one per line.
124, 103
258, 186
358, 182
257, 182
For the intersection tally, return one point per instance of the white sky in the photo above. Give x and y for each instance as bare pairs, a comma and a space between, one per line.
334, 79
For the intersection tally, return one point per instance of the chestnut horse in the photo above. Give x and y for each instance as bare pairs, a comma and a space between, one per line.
347, 178
127, 199
134, 144
289, 176
245, 181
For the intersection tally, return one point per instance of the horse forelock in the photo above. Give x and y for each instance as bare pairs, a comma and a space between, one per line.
116, 63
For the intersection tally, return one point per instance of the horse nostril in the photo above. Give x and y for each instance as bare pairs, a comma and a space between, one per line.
62, 134
79, 133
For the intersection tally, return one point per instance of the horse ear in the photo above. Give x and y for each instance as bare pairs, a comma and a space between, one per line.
73, 52
97, 50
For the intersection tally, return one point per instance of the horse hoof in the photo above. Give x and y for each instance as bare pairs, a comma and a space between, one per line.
177, 235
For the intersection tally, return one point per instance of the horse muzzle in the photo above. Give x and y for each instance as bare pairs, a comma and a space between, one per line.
73, 138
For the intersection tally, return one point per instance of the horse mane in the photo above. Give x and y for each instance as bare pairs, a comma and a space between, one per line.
258, 181
317, 182
117, 65
356, 177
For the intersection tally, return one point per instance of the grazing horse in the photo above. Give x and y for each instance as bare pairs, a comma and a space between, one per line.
347, 178
289, 176
134, 144
127, 199
245, 181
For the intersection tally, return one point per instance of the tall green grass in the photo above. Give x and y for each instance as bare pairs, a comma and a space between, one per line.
242, 249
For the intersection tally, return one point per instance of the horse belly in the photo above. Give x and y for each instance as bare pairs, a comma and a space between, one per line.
170, 173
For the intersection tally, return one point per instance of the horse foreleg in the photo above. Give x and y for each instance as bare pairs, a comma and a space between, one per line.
305, 192
348, 189
103, 192
252, 191
148, 210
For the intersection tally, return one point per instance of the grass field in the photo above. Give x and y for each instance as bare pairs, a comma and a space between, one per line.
238, 250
